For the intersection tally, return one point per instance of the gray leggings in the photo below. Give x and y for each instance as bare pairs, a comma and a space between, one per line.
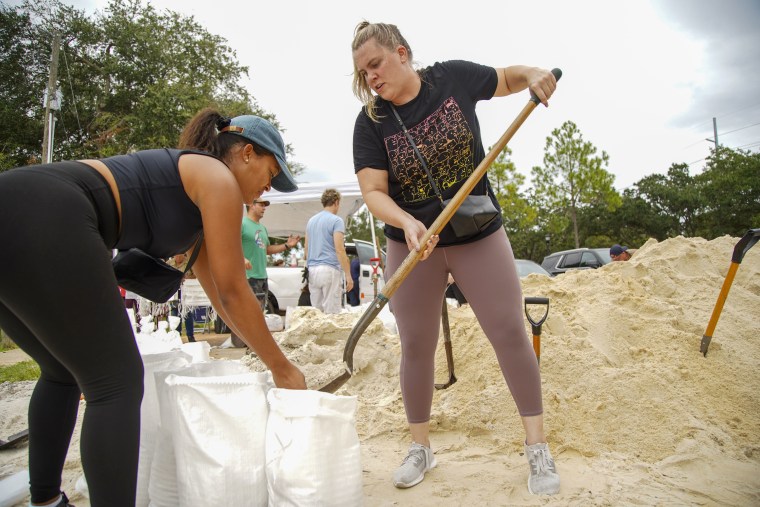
486, 274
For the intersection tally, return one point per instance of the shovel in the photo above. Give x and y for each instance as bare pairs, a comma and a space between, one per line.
414, 256
447, 346
14, 440
536, 325
741, 248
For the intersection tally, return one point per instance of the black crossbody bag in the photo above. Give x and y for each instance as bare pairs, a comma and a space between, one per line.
149, 277
475, 213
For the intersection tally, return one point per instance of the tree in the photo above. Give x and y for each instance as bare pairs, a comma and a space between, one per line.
358, 227
730, 187
676, 198
573, 177
518, 216
131, 77
20, 100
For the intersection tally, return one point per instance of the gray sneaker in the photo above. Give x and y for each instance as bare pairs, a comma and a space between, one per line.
544, 479
418, 460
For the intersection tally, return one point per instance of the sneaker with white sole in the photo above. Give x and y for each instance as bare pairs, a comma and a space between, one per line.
544, 479
418, 460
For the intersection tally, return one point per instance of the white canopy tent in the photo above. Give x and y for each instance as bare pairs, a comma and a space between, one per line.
288, 212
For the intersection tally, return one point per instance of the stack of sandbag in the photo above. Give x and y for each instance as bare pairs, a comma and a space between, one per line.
215, 433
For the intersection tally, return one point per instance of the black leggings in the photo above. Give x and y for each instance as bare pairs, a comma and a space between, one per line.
59, 301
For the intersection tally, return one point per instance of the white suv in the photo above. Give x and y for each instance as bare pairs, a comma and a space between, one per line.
286, 282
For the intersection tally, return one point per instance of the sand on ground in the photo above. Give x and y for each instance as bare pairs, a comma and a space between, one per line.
634, 413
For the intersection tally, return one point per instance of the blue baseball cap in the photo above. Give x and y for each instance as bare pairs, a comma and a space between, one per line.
617, 249
263, 133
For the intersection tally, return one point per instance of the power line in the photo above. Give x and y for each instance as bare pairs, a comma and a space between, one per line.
721, 116
722, 134
71, 87
742, 128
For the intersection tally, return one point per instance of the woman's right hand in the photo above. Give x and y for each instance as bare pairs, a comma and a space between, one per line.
414, 230
288, 376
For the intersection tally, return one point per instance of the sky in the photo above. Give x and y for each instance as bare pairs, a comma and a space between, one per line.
642, 80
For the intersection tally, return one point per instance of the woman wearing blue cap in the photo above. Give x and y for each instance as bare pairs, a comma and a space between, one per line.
59, 223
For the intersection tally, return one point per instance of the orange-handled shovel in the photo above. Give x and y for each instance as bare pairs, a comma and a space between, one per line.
741, 248
536, 325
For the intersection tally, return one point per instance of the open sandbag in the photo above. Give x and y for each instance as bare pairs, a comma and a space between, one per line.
219, 436
149, 416
312, 449
163, 474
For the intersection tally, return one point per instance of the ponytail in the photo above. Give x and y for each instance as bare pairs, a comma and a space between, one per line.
201, 133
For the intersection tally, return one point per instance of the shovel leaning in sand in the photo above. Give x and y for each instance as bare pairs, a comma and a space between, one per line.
748, 241
14, 440
536, 324
414, 256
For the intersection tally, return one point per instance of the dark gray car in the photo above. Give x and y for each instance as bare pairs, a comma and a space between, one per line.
579, 258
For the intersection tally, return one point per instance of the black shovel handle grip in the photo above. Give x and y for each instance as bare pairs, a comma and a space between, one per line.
557, 74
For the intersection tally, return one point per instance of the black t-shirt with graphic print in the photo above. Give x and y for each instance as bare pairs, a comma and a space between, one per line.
442, 121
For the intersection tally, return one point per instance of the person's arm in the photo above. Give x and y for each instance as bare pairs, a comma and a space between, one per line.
290, 243
374, 186
519, 77
219, 266
340, 250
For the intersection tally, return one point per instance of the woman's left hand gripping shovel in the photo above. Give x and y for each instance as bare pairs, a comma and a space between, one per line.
414, 256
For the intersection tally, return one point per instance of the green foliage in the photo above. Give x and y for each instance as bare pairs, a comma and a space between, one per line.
730, 186
131, 77
573, 177
20, 113
677, 198
358, 227
518, 216
25, 370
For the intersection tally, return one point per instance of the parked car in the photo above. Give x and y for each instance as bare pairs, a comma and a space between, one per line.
526, 267
578, 258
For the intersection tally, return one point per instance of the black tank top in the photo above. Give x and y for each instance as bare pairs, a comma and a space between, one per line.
157, 216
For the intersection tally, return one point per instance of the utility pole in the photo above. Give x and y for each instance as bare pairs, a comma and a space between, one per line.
715, 134
50, 96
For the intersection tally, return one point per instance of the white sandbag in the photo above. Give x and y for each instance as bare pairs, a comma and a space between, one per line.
14, 488
149, 415
199, 351
313, 454
219, 439
274, 322
163, 474
81, 487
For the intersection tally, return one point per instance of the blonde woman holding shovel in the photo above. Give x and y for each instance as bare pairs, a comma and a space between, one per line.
158, 201
416, 141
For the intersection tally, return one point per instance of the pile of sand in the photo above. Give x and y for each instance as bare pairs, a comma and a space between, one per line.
633, 412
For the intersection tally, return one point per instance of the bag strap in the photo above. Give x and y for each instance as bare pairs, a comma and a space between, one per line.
416, 151
196, 251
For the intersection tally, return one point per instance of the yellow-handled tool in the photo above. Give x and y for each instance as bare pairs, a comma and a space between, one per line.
748, 241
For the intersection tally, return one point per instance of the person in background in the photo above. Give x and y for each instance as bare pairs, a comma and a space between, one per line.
353, 296
619, 253
326, 257
256, 247
158, 201
437, 106
179, 261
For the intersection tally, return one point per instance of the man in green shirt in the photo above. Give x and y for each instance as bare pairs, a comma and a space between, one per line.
256, 247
